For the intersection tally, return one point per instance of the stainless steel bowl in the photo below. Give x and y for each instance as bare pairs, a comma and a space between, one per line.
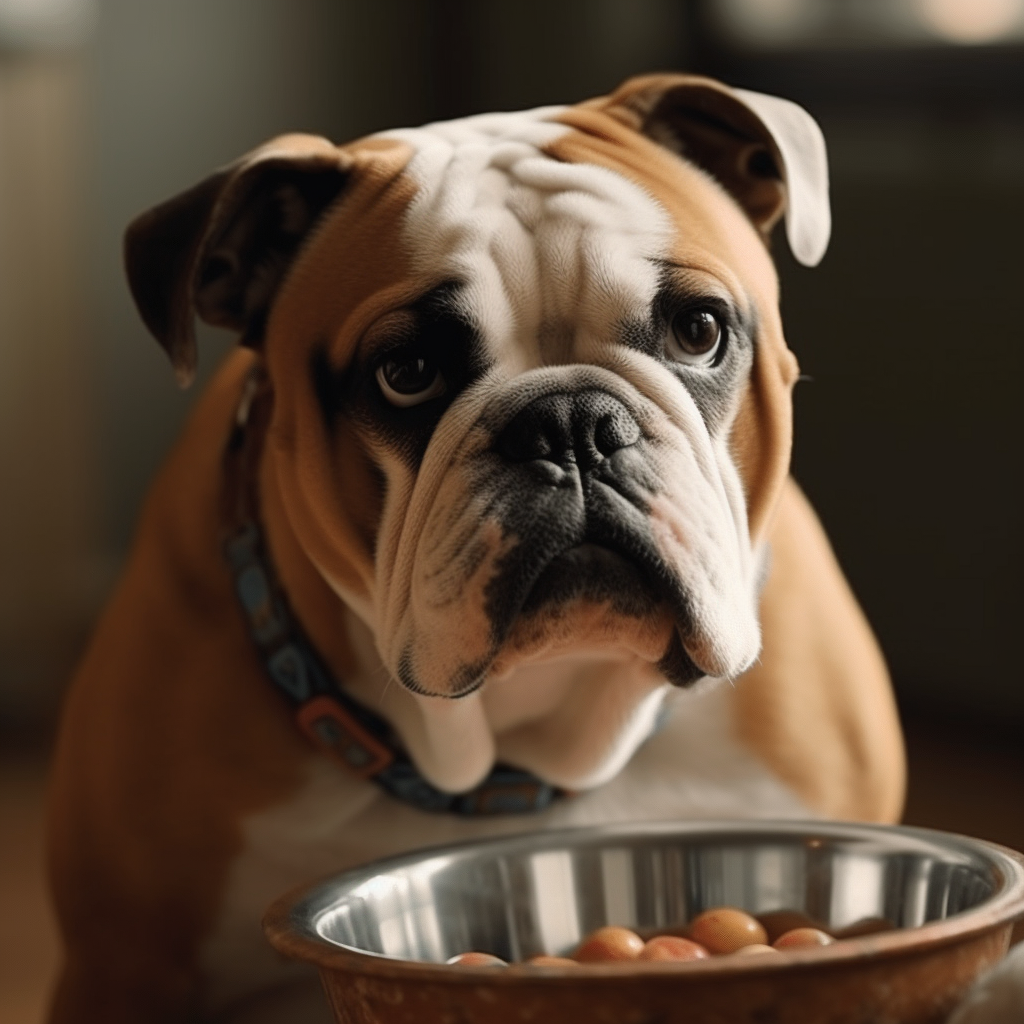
384, 931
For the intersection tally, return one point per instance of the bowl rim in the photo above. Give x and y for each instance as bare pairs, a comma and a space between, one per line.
290, 922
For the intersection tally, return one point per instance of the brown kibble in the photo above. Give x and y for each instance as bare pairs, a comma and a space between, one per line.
671, 947
753, 949
551, 961
474, 959
726, 929
803, 938
609, 944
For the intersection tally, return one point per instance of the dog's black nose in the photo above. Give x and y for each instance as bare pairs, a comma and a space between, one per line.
583, 427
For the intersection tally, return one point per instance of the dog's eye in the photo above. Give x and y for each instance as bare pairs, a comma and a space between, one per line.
409, 380
695, 337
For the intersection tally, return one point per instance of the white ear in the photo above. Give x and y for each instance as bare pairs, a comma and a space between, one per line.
802, 147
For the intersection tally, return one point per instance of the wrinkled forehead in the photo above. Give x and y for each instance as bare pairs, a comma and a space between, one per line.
544, 230
550, 230
533, 239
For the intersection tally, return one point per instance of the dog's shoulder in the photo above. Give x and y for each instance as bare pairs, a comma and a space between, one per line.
170, 735
817, 707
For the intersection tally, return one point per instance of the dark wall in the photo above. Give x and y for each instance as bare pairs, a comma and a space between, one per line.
908, 433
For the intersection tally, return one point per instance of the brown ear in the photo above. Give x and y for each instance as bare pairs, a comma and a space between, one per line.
768, 153
221, 249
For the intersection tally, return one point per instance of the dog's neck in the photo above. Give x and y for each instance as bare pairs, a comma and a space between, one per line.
574, 721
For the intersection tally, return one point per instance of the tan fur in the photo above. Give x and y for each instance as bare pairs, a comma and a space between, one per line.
325, 506
649, 104
818, 707
161, 717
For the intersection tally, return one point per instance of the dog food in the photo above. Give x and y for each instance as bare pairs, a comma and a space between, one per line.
802, 938
719, 931
672, 947
608, 945
726, 929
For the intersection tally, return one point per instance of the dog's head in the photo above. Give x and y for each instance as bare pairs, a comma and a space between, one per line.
531, 392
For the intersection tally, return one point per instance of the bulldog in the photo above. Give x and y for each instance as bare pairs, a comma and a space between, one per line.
488, 513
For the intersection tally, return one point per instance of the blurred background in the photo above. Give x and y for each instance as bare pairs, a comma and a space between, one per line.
910, 330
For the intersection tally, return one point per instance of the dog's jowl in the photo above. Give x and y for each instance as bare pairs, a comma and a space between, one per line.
485, 526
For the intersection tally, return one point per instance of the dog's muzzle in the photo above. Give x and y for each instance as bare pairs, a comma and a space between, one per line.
580, 480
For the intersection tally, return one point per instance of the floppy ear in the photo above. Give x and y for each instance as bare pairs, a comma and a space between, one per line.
768, 153
221, 249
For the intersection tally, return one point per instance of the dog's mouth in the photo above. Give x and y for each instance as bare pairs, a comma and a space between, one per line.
615, 568
593, 572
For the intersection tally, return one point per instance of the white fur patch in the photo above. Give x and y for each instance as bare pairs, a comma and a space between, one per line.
535, 239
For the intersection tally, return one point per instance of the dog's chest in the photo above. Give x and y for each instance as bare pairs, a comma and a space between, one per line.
693, 768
